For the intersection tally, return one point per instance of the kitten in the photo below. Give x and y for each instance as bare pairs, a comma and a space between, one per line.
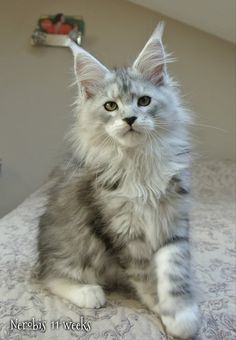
118, 209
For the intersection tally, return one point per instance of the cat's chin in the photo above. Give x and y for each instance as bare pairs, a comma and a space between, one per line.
131, 139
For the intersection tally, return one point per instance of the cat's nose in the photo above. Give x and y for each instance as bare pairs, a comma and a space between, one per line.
130, 120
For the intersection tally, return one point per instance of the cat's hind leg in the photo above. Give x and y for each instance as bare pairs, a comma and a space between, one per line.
82, 295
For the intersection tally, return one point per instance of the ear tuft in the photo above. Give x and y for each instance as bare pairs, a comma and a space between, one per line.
159, 30
151, 62
89, 71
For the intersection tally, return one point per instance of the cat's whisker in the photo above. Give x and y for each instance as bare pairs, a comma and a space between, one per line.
160, 126
209, 126
189, 123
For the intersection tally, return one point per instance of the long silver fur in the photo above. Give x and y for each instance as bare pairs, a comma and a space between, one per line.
117, 214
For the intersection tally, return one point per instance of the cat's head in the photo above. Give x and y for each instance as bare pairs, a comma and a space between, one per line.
128, 106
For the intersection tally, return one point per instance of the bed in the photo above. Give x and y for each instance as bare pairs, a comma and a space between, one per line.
25, 306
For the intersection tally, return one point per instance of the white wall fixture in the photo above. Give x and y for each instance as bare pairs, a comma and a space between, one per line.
57, 30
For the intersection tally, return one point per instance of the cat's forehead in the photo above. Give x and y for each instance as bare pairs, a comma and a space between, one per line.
123, 82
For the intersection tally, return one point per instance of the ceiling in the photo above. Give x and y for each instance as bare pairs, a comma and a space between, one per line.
217, 17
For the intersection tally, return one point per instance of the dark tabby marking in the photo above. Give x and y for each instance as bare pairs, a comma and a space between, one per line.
175, 239
96, 221
181, 284
182, 191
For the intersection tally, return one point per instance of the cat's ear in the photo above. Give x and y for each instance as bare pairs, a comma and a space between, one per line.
151, 62
89, 71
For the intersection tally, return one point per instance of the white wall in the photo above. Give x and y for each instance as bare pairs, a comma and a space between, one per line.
35, 98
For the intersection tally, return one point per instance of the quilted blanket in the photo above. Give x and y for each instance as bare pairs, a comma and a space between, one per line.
27, 311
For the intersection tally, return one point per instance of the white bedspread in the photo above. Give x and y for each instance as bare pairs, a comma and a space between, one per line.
213, 236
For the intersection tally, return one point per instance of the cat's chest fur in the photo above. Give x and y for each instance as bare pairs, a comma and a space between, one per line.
133, 218
134, 209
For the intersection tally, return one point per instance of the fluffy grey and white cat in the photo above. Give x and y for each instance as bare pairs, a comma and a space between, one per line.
117, 213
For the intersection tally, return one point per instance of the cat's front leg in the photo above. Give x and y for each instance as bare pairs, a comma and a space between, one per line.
137, 259
82, 295
177, 308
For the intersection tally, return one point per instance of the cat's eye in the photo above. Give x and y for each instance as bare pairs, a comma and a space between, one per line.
144, 101
111, 106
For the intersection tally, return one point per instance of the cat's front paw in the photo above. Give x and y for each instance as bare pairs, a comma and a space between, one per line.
184, 323
89, 296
